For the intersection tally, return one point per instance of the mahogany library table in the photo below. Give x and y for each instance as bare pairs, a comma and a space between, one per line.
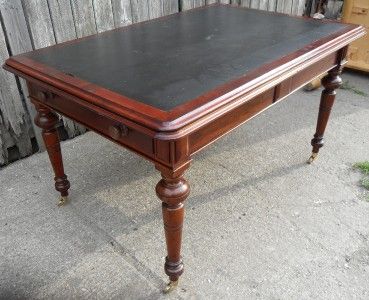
167, 88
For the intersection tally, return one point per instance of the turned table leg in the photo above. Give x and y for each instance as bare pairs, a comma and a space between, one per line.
47, 120
331, 82
173, 190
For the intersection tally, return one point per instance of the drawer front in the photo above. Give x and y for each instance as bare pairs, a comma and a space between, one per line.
305, 76
217, 128
99, 120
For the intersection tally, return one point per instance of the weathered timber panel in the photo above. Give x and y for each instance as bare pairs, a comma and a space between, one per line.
19, 41
122, 12
13, 114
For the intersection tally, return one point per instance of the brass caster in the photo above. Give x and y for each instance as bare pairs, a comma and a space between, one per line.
170, 286
312, 158
63, 200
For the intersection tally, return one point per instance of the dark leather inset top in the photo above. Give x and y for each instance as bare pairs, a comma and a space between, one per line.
166, 62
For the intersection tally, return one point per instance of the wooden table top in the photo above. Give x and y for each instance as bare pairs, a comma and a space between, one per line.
173, 65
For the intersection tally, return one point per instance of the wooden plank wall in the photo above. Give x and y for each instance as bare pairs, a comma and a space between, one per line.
31, 24
295, 7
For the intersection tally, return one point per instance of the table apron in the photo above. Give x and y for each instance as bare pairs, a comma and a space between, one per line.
124, 132
221, 125
171, 153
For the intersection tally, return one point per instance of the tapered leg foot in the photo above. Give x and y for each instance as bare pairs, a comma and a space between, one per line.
331, 82
47, 120
173, 190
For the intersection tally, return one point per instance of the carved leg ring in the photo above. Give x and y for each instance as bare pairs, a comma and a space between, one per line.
47, 120
173, 190
330, 82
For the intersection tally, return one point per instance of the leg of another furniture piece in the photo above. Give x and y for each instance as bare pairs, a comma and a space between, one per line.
331, 82
173, 190
47, 120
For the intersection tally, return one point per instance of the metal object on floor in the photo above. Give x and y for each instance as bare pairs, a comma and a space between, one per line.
172, 285
312, 158
63, 200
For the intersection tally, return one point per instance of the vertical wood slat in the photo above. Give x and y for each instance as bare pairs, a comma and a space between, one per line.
198, 3
61, 17
287, 6
19, 41
295, 7
84, 18
145, 10
155, 8
187, 4
103, 15
122, 12
254, 4
299, 7
272, 5
279, 6
12, 112
263, 4
170, 7
39, 22
245, 3
314, 6
140, 10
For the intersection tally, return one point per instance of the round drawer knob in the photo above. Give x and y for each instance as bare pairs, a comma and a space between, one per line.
117, 131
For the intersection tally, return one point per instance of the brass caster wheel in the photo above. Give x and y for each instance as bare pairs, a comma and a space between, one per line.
170, 287
312, 158
62, 201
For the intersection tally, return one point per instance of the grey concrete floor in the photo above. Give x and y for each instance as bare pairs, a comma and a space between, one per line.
260, 222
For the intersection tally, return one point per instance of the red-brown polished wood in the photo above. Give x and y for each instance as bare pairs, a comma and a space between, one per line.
173, 190
47, 120
170, 138
331, 83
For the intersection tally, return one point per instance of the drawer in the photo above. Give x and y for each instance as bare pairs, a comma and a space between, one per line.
97, 119
220, 126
